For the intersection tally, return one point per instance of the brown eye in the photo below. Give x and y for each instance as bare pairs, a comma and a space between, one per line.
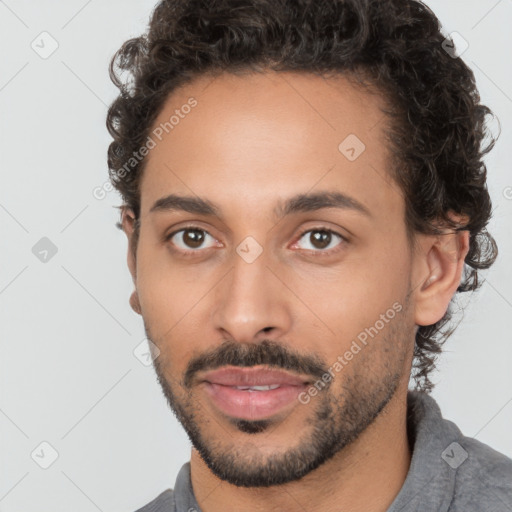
320, 240
189, 238
193, 238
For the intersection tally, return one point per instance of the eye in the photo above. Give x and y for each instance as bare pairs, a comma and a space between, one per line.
189, 239
321, 240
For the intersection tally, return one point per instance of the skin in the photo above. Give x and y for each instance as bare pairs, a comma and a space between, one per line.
251, 142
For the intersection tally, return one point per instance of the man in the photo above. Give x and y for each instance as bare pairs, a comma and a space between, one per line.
303, 188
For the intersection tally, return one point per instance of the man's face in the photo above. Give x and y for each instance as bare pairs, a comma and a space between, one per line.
307, 291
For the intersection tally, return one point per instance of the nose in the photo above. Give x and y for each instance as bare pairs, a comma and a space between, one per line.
252, 303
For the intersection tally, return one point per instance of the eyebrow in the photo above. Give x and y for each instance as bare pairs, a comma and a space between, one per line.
296, 204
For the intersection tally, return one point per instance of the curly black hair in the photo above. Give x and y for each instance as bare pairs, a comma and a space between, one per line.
437, 124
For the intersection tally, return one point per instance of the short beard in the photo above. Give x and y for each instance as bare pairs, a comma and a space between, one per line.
334, 427
338, 419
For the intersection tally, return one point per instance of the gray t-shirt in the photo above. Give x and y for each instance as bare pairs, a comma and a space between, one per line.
448, 471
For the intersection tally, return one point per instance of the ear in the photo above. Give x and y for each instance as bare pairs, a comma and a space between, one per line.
438, 266
128, 224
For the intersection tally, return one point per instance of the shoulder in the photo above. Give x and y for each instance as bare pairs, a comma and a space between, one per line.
483, 479
462, 473
164, 502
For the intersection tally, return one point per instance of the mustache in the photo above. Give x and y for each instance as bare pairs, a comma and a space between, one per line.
265, 352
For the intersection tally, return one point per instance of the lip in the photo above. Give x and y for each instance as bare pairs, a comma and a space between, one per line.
221, 388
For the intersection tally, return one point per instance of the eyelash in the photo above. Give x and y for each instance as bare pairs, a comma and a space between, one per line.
191, 253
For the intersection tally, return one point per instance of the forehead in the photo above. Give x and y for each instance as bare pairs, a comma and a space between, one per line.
251, 140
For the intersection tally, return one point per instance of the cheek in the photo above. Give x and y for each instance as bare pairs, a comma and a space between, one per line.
158, 289
350, 297
175, 303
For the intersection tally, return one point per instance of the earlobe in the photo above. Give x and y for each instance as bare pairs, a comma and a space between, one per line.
134, 302
442, 265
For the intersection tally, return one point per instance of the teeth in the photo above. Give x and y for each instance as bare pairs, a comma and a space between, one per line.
258, 388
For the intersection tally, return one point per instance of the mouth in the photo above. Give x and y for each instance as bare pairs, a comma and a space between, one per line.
254, 393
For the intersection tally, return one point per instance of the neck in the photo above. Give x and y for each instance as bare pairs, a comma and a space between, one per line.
364, 476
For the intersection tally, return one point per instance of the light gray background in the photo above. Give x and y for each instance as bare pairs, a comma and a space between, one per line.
68, 373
